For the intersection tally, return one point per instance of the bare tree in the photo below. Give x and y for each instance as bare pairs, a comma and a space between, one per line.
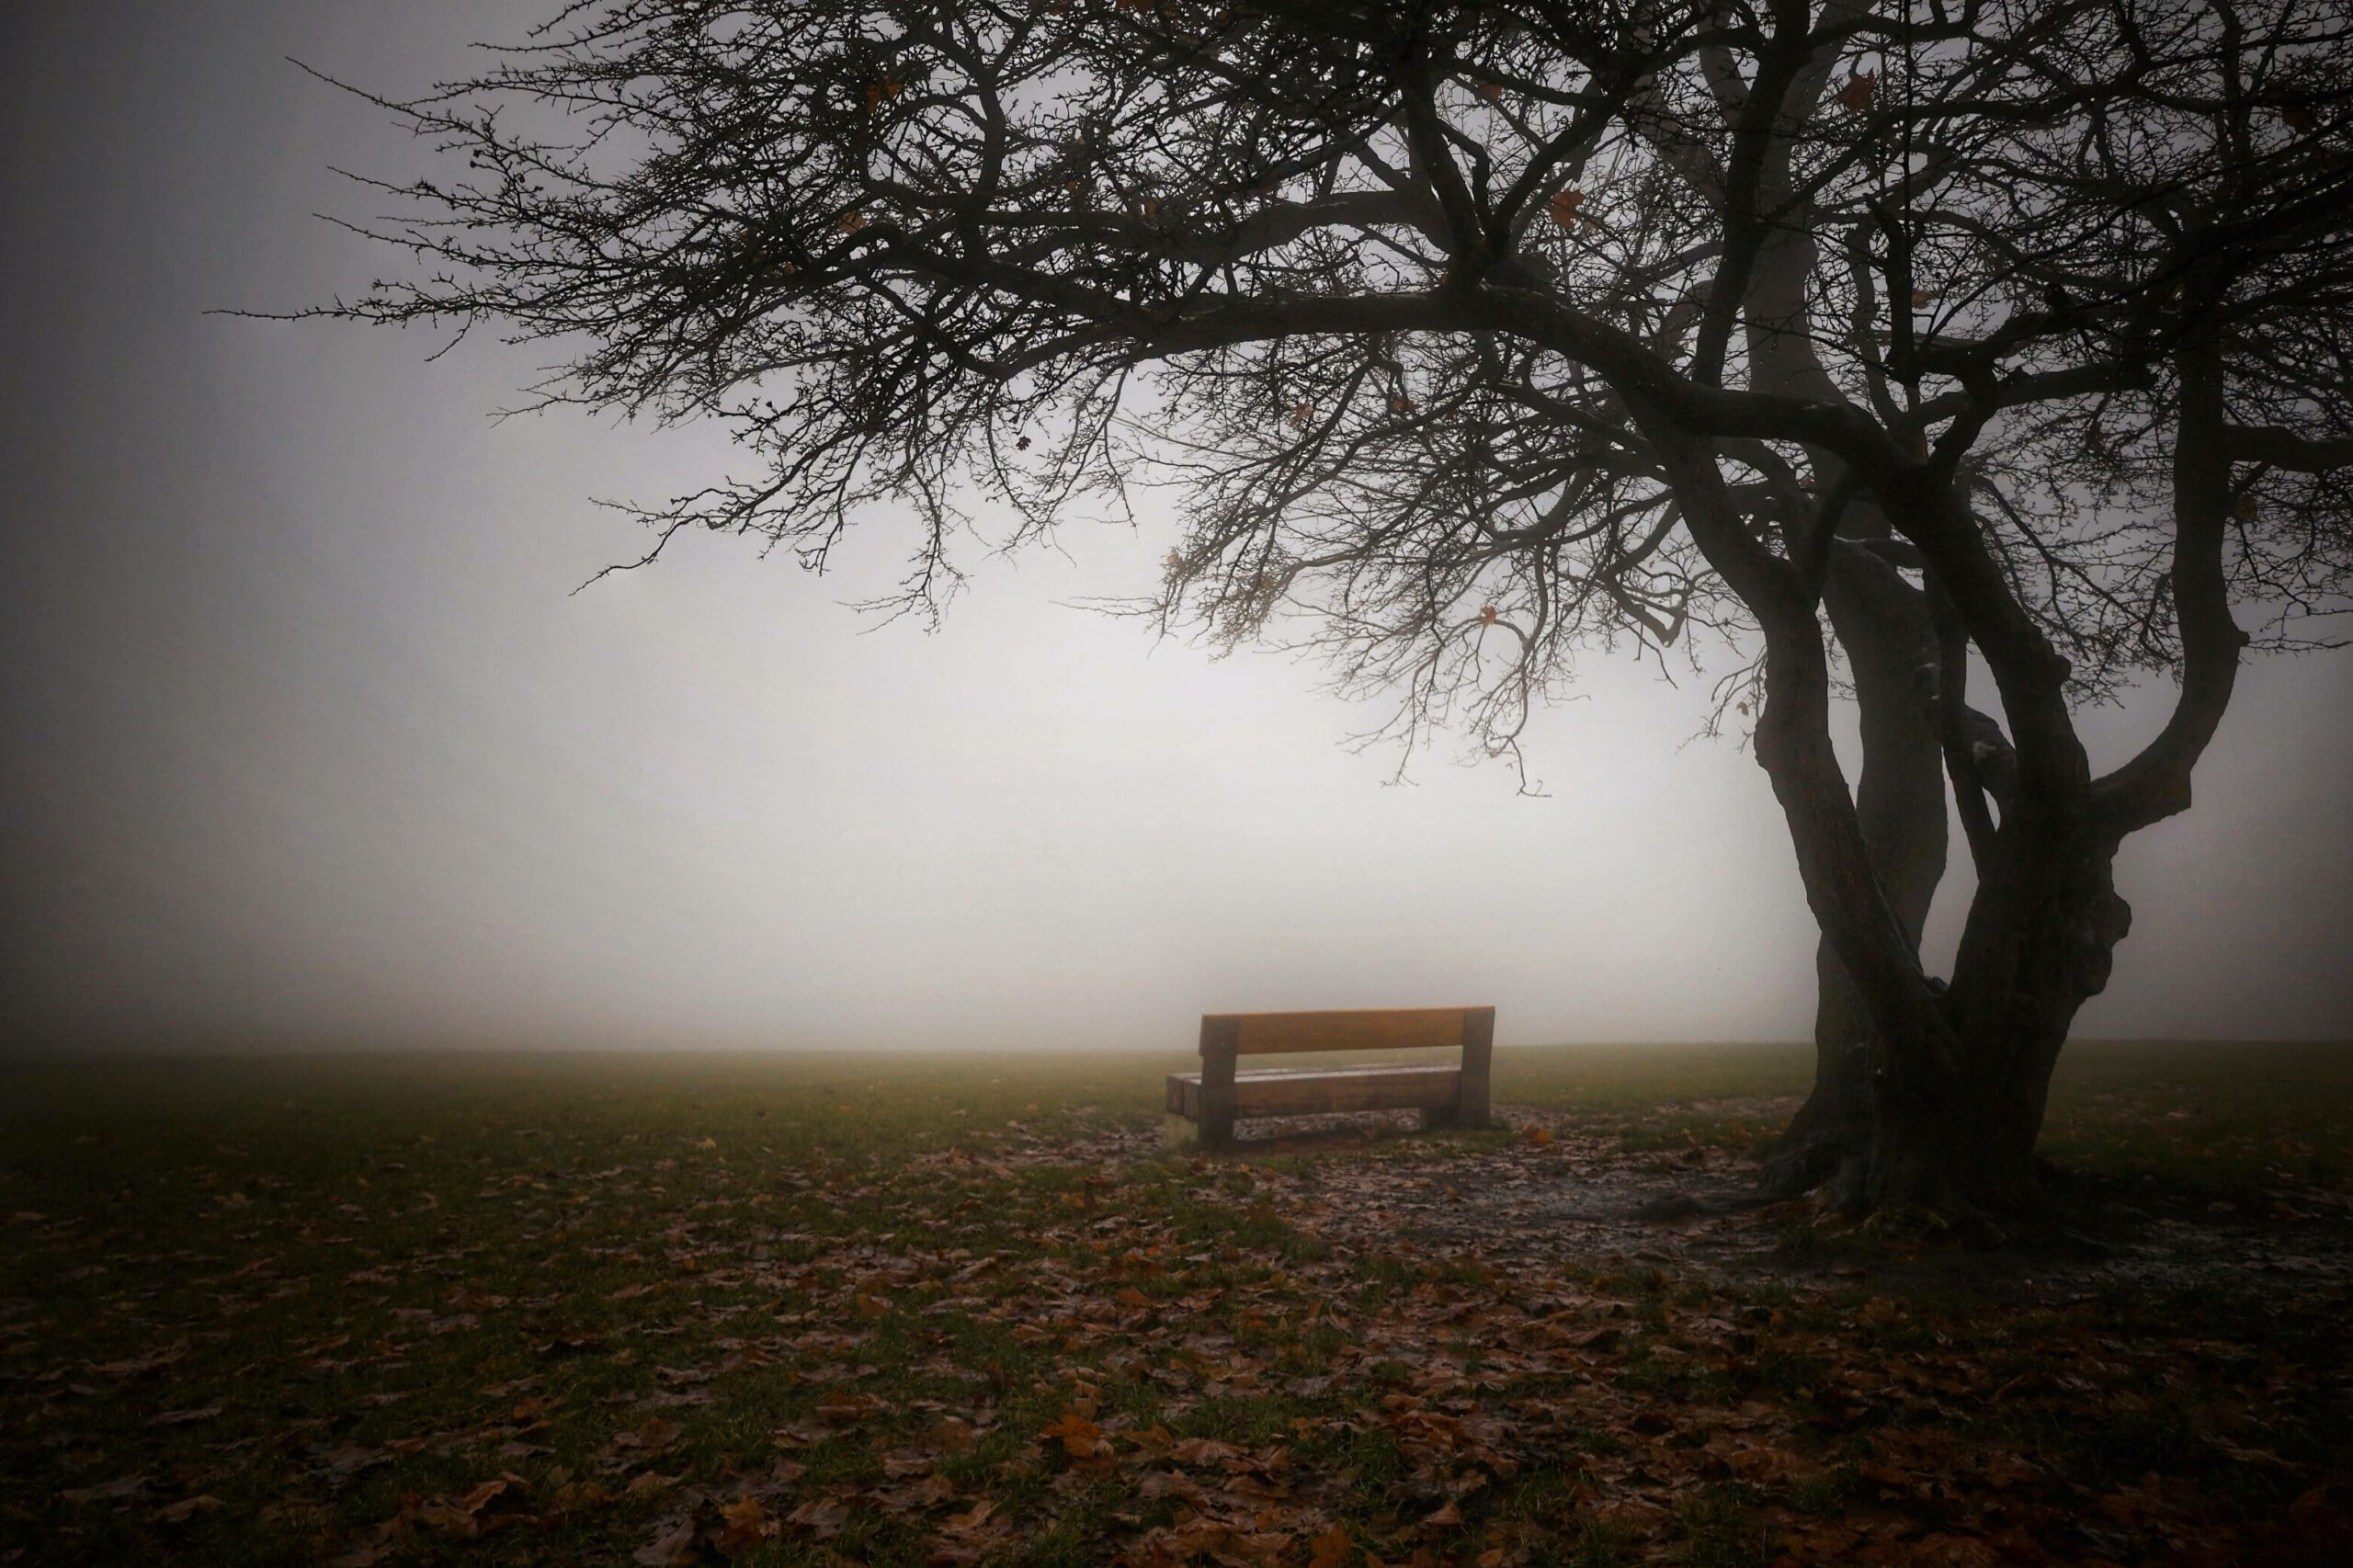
1478, 331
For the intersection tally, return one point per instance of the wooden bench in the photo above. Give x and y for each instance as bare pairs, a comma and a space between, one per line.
1202, 1105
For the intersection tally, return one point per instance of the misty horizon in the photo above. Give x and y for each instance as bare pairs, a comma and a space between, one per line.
314, 744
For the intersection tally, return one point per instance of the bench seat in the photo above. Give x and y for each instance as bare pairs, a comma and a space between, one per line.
1310, 1090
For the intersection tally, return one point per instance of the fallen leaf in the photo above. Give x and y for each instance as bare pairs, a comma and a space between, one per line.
122, 1486
970, 1519
656, 1435
673, 1543
1203, 1450
183, 1418
365, 1555
346, 1459
178, 1513
744, 1524
1080, 1438
822, 1517
1631, 1514
475, 1497
2315, 1511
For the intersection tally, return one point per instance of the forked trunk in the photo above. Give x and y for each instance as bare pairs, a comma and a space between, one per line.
2041, 934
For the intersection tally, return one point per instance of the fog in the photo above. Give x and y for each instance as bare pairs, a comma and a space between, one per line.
311, 742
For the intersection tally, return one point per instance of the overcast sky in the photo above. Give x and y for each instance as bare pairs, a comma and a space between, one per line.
308, 740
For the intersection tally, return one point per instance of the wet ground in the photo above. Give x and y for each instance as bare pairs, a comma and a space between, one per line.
1561, 1193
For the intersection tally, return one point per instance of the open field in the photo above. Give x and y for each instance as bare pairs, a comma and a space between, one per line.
936, 1310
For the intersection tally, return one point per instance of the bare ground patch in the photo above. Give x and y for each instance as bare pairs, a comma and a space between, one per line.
1558, 1191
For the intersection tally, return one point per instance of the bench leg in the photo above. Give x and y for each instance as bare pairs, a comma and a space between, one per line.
1179, 1133
1221, 1044
1478, 1056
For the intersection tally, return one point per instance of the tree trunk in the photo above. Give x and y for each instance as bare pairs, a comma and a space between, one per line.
1956, 1076
1890, 638
1883, 624
2041, 934
1958, 1136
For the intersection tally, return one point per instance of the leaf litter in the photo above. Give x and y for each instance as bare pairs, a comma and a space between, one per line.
1326, 1348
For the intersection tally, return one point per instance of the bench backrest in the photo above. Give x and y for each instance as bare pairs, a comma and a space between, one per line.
1366, 1028
1227, 1036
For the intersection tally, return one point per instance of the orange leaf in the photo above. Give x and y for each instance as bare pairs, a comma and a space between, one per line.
851, 223
1487, 615
1081, 1438
1330, 1548
1857, 94
1564, 207
744, 1524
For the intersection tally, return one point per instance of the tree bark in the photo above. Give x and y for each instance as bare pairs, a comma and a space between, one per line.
1883, 624
2043, 929
1885, 627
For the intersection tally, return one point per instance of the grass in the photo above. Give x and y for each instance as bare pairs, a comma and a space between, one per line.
931, 1310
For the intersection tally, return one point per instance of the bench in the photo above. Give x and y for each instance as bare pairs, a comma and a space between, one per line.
1202, 1105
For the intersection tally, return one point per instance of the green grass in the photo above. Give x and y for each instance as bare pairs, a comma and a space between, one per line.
508, 1308
2234, 1117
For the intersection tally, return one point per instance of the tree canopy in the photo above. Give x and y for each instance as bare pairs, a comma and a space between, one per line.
1474, 331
